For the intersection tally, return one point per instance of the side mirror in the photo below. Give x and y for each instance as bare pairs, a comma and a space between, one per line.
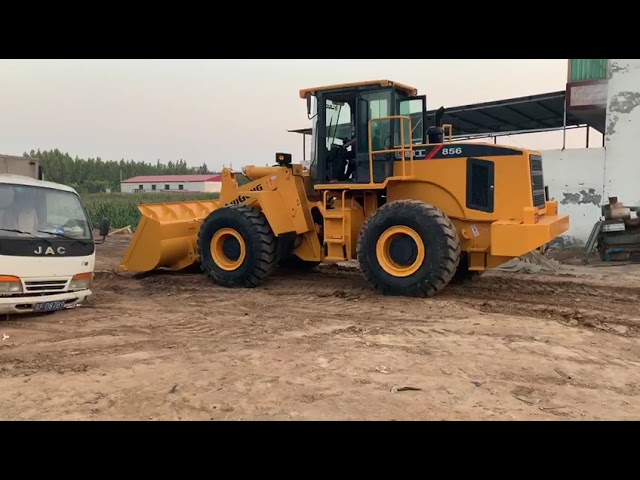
308, 105
105, 227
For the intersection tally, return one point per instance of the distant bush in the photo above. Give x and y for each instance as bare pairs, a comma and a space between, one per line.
121, 208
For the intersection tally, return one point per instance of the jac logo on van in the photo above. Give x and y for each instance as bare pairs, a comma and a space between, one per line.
50, 251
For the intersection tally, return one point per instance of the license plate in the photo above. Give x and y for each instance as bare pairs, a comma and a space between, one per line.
49, 306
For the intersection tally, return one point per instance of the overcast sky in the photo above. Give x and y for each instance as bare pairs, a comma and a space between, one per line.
217, 111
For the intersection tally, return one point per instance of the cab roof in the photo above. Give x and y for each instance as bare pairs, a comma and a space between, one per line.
32, 182
382, 83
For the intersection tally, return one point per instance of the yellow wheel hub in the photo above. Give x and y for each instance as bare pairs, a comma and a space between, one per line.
400, 251
228, 249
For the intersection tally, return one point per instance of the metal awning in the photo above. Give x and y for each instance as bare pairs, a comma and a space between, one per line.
533, 113
304, 131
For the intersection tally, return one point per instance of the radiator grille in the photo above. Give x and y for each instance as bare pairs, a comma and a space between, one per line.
537, 180
480, 185
480, 176
45, 285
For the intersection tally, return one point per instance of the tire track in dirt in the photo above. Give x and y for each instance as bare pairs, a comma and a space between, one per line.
587, 302
341, 292
612, 308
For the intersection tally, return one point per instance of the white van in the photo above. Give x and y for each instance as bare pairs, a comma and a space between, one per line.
47, 250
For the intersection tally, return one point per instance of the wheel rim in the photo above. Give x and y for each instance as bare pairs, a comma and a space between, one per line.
228, 249
400, 251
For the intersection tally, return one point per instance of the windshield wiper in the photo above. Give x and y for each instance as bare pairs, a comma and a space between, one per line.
13, 230
58, 234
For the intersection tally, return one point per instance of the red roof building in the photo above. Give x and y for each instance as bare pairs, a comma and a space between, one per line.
174, 178
209, 183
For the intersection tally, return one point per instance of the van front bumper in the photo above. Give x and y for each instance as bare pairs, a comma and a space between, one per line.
13, 305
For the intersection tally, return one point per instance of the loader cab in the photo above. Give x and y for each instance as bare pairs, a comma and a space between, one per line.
351, 121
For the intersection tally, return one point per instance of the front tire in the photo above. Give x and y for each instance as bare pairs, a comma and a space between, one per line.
237, 247
408, 248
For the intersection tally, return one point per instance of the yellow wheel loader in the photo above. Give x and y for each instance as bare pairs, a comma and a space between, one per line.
413, 208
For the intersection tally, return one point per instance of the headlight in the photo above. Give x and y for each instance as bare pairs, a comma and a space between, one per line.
10, 284
81, 281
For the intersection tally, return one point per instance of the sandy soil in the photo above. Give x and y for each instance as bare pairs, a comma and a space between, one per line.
321, 346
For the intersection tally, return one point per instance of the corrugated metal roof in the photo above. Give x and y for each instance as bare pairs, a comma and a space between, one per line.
534, 112
173, 178
531, 113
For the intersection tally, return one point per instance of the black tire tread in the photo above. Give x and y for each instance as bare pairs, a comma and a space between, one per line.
263, 243
448, 263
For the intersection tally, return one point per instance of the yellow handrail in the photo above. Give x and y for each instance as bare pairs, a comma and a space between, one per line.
444, 127
403, 145
344, 198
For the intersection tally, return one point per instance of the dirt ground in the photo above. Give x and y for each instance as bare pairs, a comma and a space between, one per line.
321, 346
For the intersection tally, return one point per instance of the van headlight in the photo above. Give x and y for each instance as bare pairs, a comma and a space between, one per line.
81, 281
10, 284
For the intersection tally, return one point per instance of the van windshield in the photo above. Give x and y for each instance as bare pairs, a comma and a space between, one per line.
41, 212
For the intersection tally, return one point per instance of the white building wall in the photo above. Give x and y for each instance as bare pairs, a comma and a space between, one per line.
622, 138
19, 166
576, 178
127, 187
583, 179
211, 187
173, 186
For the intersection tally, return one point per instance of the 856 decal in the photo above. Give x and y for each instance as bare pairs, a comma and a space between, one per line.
452, 151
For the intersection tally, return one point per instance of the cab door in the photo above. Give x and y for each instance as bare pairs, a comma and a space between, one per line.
416, 109
385, 134
371, 105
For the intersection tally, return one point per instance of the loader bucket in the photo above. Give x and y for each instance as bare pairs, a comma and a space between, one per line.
166, 236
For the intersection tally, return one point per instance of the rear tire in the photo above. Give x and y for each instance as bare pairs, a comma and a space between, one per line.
237, 247
408, 248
